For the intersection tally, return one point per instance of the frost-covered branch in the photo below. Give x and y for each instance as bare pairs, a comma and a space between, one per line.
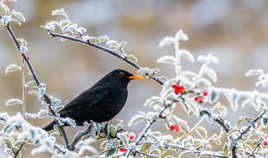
149, 125
251, 125
22, 50
105, 49
195, 151
79, 135
217, 119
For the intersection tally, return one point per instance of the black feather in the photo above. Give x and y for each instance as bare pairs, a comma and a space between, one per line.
101, 102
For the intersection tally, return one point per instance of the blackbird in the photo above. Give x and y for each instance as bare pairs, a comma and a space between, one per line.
101, 102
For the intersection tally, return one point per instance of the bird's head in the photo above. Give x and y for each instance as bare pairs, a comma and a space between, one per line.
122, 76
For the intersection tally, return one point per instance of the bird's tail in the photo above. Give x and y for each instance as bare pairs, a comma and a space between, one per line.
49, 126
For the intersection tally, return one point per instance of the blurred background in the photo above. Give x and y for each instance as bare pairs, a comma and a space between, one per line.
234, 31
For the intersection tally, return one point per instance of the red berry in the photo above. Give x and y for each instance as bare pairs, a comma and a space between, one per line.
123, 149
199, 99
174, 128
131, 137
265, 142
205, 93
178, 89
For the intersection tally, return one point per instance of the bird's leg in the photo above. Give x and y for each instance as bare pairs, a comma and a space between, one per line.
106, 129
109, 123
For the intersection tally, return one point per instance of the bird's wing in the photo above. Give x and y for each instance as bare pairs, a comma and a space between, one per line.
88, 98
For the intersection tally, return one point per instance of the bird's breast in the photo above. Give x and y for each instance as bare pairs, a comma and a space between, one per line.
119, 97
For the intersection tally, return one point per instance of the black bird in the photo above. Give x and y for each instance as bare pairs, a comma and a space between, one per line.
101, 102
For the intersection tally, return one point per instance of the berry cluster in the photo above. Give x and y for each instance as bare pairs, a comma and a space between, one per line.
174, 128
131, 137
122, 149
200, 98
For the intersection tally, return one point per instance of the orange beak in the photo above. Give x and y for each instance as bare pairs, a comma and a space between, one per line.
135, 77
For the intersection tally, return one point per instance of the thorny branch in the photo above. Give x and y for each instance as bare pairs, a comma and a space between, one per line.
38, 83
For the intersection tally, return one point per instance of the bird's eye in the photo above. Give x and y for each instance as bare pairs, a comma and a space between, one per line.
122, 74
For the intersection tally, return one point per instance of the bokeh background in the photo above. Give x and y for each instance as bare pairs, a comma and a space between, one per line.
234, 31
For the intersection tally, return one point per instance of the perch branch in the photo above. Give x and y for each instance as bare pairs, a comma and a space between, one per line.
79, 136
